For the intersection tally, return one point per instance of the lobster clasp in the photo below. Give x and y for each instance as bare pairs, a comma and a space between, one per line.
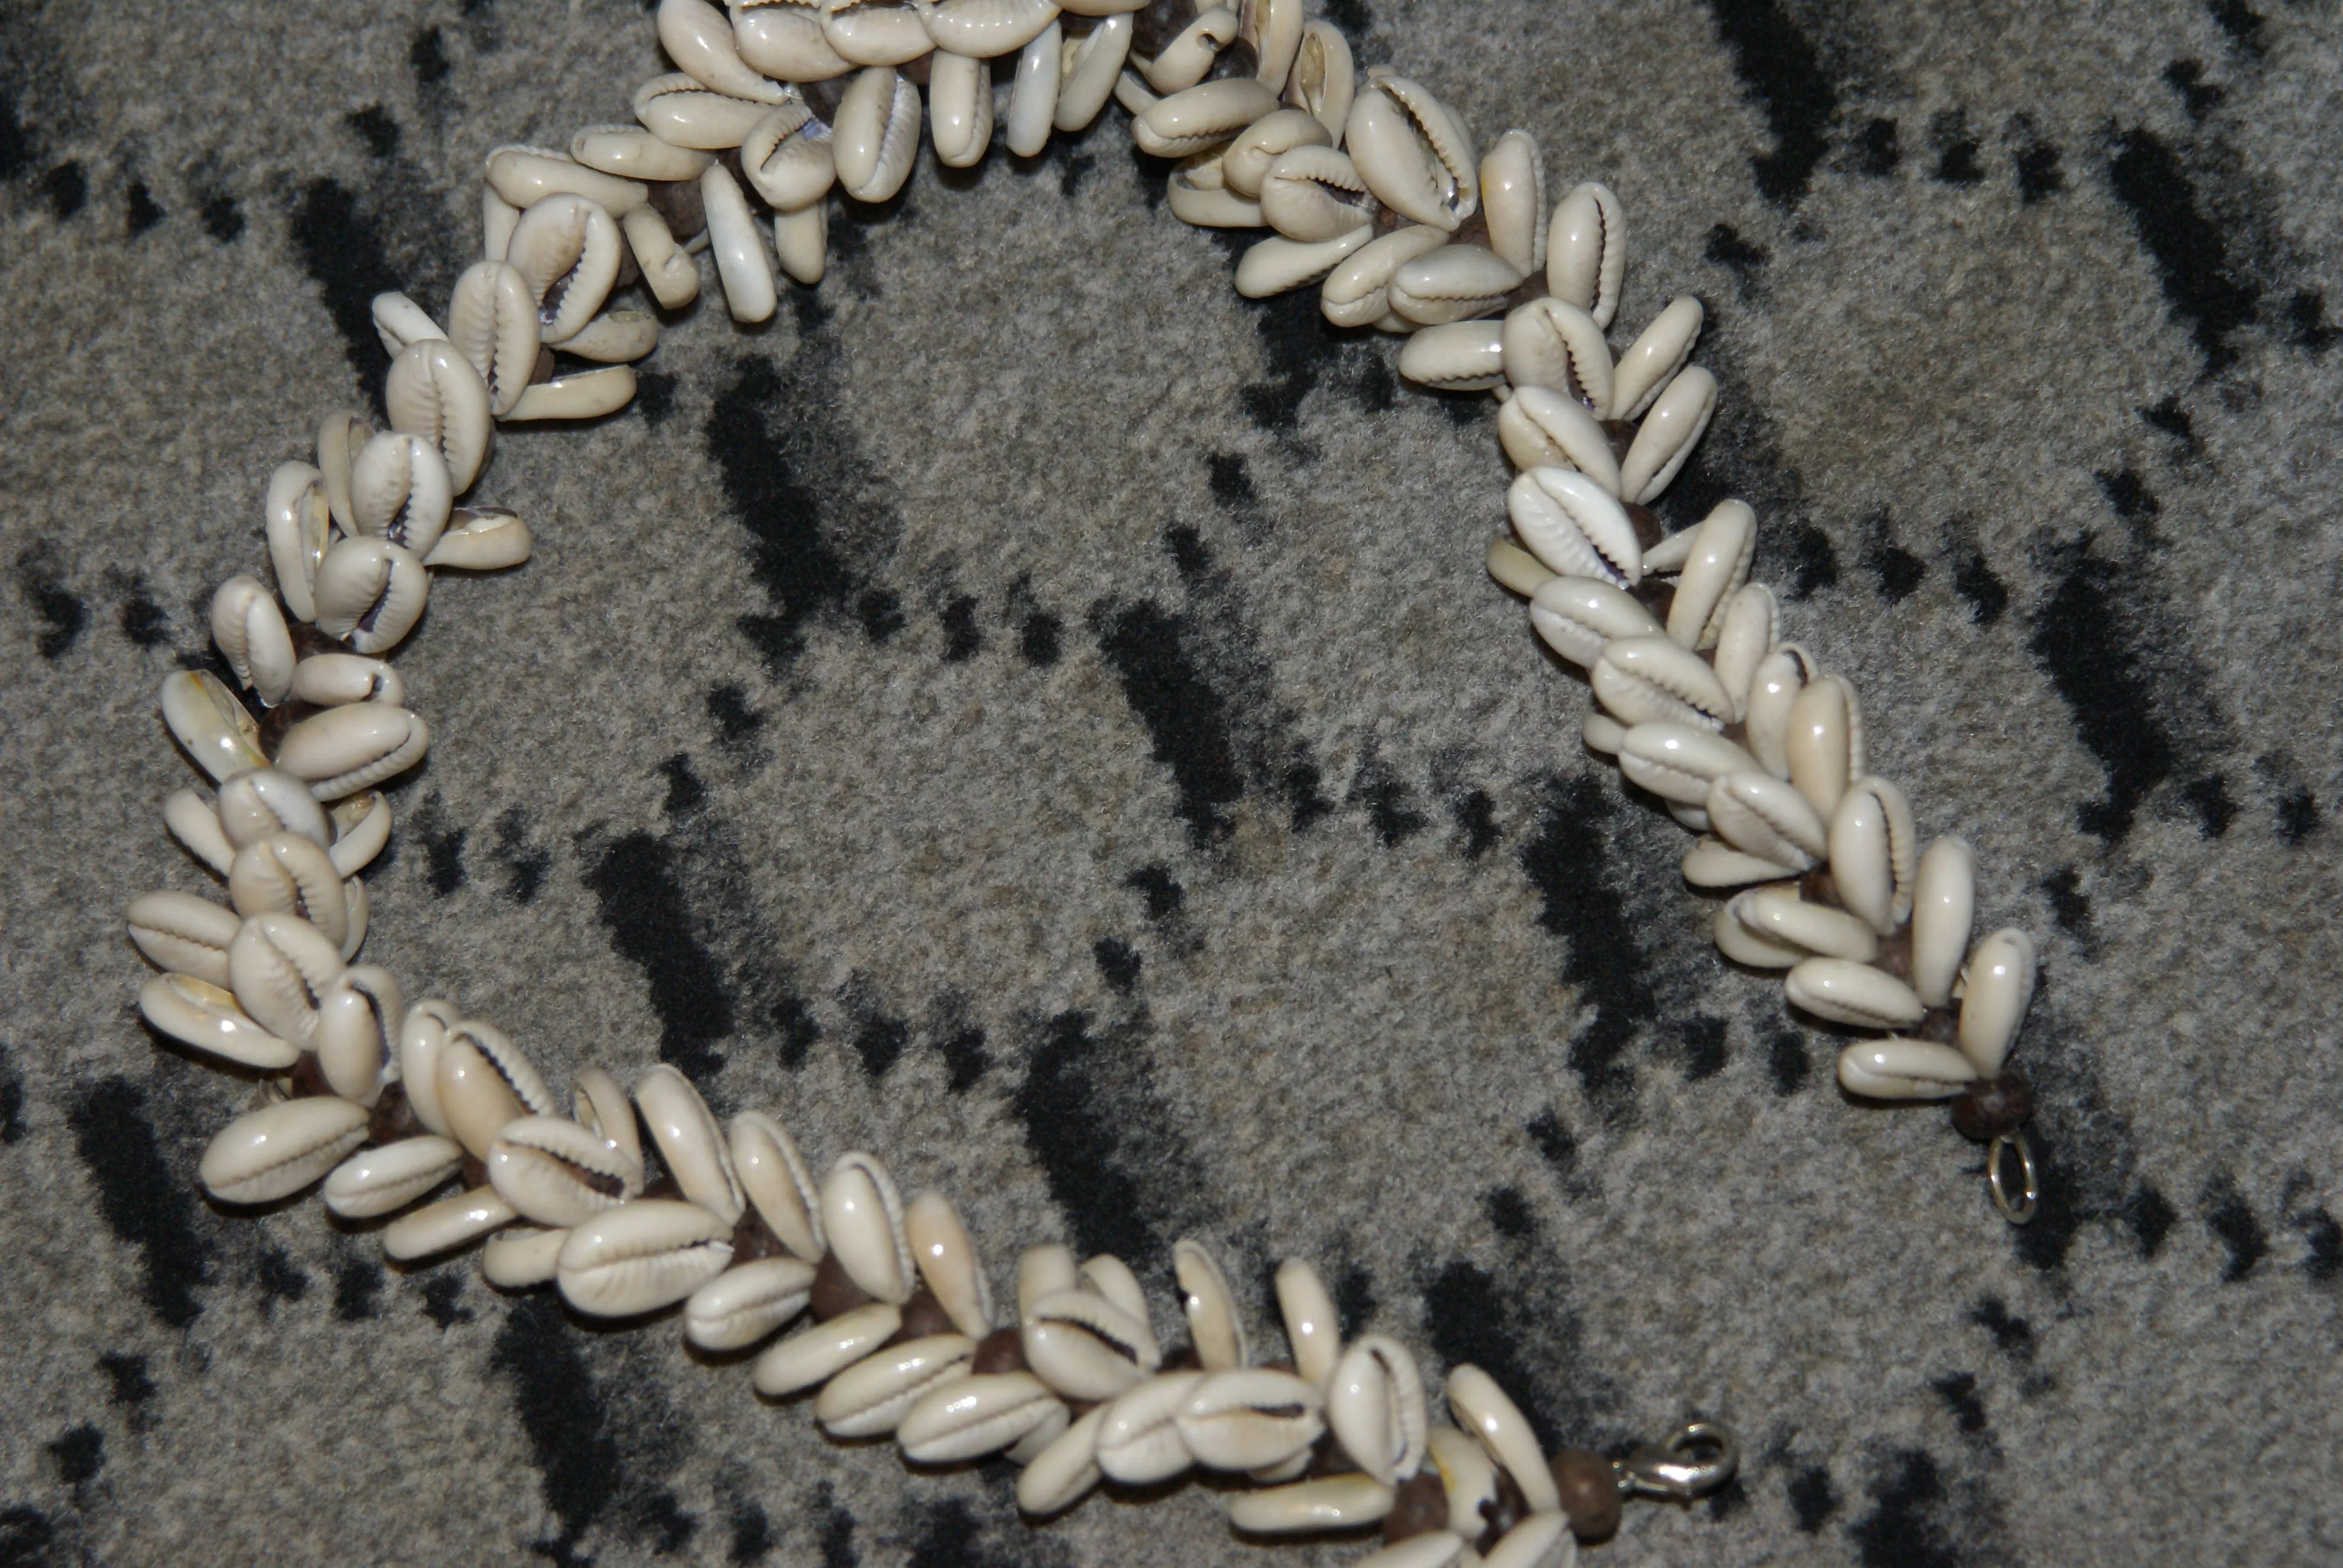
1691, 1462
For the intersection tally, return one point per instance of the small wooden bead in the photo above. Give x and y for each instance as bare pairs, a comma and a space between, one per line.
1418, 1508
1589, 1486
1001, 1350
1991, 1108
835, 1294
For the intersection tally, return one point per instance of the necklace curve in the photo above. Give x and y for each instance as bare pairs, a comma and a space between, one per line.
1375, 193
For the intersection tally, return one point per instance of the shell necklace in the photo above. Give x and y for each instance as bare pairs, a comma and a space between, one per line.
1375, 192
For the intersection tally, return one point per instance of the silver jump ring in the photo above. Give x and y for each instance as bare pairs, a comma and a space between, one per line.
2019, 1211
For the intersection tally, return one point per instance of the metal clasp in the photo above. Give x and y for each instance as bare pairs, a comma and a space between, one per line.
2017, 1211
1689, 1463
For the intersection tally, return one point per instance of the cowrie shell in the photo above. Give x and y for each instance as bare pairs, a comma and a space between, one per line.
676, 108
1215, 1326
1198, 196
1853, 993
1742, 946
959, 109
401, 491
1943, 905
387, 1178
1311, 194
862, 1216
1999, 989
1437, 1549
1516, 570
1182, 63
519, 1256
1357, 293
746, 1302
196, 826
1482, 1409
492, 321
1602, 733
346, 750
1780, 676
1574, 525
586, 395
671, 275
1453, 283
1330, 1502
1414, 155
690, 1144
279, 966
253, 805
1086, 1347
819, 1352
183, 934
299, 525
1251, 1418
783, 39
1717, 565
1904, 1069
948, 1262
1587, 251
1065, 1471
483, 1084
1576, 615
1820, 743
1541, 1541
1043, 1270
340, 436
1467, 1474
1681, 762
1463, 357
1650, 679
1375, 1406
1275, 265
632, 153
615, 337
251, 634
1872, 851
331, 679
276, 1150
875, 136
1713, 863
1247, 159
362, 826
1667, 435
1273, 28
1088, 68
1033, 94
1654, 359
1745, 633
1513, 199
802, 240
1779, 915
773, 1176
288, 874
1323, 80
357, 1019
557, 1174
645, 1255
875, 32
498, 218
205, 718
1553, 344
567, 250
400, 321
597, 1104
1201, 117
1543, 429
1139, 1443
1108, 1276
353, 897
983, 29
975, 1416
197, 1012
478, 540
698, 38
526, 176
422, 1037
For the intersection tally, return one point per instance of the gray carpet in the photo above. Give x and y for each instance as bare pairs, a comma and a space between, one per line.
1033, 715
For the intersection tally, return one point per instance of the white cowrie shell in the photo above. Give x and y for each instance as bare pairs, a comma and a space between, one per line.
371, 592
401, 490
1543, 429
985, 29
674, 108
557, 1174
948, 1262
205, 718
253, 805
863, 1217
1512, 199
387, 1178
1063, 1472
1375, 1405
1482, 1409
1666, 436
363, 828
1716, 566
521, 1256
354, 900
341, 436
1745, 633
1713, 863
358, 1019
1275, 265
421, 1040
498, 218
1943, 904
1691, 817
492, 321
1215, 1326
1201, 117
1587, 251
640, 1257
1311, 194
975, 1416
276, 1150
1311, 1327
1086, 1347
820, 1353
773, 1176
597, 1104
1651, 680
1904, 1069
1453, 283
632, 153
1197, 197
746, 1302
1853, 993
1467, 1474
2000, 987
1247, 159
959, 109
1182, 63
400, 321
479, 540
1139, 1443
1742, 946
875, 136
1819, 744
196, 826
298, 526
1553, 344
1540, 1540
698, 38
1108, 1276
279, 966
567, 249
1033, 94
1602, 733
1574, 525
1414, 155
1358, 292
1653, 360
1437, 1549
783, 38
1576, 615
197, 1012
1323, 82
692, 1145
1273, 28
1780, 675
483, 1084
331, 679
1463, 357
671, 275
251, 634
1680, 763
872, 1396
286, 873
1088, 68
1779, 915
1871, 853
183, 934
802, 240
586, 395
1330, 1502
526, 176
875, 32
1251, 1418
615, 337
1516, 570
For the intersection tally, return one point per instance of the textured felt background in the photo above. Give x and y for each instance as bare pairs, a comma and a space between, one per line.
1033, 715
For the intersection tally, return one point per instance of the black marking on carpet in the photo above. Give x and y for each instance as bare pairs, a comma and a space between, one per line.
1899, 571
145, 1200
443, 844
1555, 1144
62, 613
654, 396
1301, 351
26, 1536
1041, 638
2209, 797
963, 638
79, 1455
140, 210
1355, 18
374, 129
750, 1533
1701, 1046
949, 1535
16, 139
1354, 1289
834, 1524
639, 881
2234, 1225
2306, 324
1812, 561
1568, 862
1159, 889
1780, 68
1905, 1527
1957, 149
1788, 1060
358, 1289
2089, 640
1742, 457
2322, 1237
1118, 963
879, 1040
685, 792
1232, 484
1728, 1498
443, 1298
2128, 497
1876, 147
738, 724
1811, 1501
2037, 163
2069, 905
2184, 242
2169, 418
1959, 1392
1509, 1213
880, 612
133, 1388
794, 478
427, 58
794, 1027
144, 622
1104, 1143
1534, 1352
1477, 832
2240, 21
12, 1101
1386, 798
2013, 1334
2150, 1218
525, 865
2299, 816
966, 1059
1976, 581
220, 213
352, 254
278, 1278
2197, 96
65, 188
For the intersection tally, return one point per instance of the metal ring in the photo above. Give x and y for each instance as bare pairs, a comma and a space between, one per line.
2020, 1211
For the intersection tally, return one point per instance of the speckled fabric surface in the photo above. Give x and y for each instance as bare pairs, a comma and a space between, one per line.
1035, 716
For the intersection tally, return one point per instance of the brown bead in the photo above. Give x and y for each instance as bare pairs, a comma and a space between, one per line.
1238, 59
472, 1171
1589, 1485
1001, 1350
392, 1118
1623, 436
753, 1240
1156, 24
1419, 1507
1819, 886
823, 97
1649, 529
835, 1294
1501, 1512
1182, 1358
923, 1315
1941, 1027
1986, 1111
1655, 594
915, 72
678, 203
663, 1186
